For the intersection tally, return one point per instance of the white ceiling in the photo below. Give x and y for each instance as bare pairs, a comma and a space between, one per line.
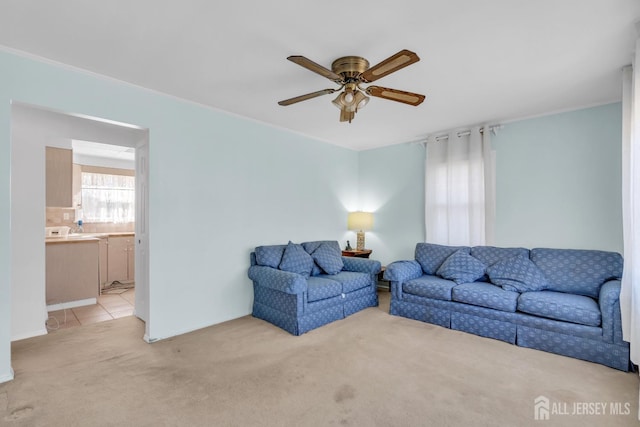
481, 61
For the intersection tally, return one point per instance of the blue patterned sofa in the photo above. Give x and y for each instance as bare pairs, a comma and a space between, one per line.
300, 287
563, 301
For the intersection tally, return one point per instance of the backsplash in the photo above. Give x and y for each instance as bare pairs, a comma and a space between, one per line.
55, 217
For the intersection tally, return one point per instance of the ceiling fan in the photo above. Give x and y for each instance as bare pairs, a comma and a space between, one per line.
350, 72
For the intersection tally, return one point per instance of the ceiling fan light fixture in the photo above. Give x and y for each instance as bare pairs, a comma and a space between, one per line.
350, 102
350, 90
363, 103
338, 101
346, 115
348, 97
361, 100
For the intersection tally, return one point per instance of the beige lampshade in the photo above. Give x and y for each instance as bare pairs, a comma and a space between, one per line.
360, 221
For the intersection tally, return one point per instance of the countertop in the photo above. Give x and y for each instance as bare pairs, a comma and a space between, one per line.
85, 237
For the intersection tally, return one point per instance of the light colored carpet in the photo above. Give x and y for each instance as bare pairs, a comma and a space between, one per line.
371, 369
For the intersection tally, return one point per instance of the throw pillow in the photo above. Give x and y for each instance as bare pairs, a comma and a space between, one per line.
517, 274
296, 260
329, 260
461, 268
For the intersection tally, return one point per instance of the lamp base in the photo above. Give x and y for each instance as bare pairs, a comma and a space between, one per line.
360, 240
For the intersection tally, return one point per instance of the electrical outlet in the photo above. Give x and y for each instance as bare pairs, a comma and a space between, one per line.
65, 216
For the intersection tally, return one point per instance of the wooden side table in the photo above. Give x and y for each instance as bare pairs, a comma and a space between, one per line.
358, 254
381, 274
382, 279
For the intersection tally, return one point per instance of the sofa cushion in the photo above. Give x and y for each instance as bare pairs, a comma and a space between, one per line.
560, 306
517, 274
485, 295
430, 287
489, 255
577, 271
461, 268
296, 260
319, 288
269, 256
310, 247
351, 280
431, 256
316, 270
492, 254
328, 259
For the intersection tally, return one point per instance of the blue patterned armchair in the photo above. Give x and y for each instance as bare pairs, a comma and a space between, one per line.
300, 287
564, 301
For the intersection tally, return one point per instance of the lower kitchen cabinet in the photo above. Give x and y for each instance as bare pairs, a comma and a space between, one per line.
120, 264
72, 271
131, 256
103, 245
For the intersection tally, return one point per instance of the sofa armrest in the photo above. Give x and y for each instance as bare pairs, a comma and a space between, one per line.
361, 265
609, 301
401, 271
283, 281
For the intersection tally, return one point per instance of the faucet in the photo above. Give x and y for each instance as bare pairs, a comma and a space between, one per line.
79, 228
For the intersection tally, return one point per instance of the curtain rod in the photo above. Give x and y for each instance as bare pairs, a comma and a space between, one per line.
492, 129
423, 141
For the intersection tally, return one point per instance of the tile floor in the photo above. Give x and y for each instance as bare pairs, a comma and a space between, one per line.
109, 306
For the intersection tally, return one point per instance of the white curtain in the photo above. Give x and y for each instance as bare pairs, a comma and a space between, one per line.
108, 198
630, 293
459, 188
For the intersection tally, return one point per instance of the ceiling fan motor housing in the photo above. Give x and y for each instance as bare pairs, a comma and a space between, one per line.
350, 67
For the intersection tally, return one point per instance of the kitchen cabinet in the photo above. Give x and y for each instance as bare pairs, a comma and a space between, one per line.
76, 185
59, 177
103, 245
121, 252
71, 271
131, 253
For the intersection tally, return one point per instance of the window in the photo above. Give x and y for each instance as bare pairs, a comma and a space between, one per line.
455, 197
108, 198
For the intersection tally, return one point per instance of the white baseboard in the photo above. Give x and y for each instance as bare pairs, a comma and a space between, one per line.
32, 334
72, 304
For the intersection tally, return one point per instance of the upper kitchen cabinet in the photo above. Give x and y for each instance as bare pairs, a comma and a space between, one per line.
76, 187
59, 174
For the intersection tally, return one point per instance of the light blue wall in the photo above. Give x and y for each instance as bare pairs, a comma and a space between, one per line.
558, 184
392, 186
558, 180
219, 185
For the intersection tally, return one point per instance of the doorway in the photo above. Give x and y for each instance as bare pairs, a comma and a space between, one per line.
102, 218
32, 129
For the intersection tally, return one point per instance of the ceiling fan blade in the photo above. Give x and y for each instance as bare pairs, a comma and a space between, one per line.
305, 97
393, 63
395, 95
316, 68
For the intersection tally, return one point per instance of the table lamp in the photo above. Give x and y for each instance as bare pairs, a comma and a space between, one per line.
361, 222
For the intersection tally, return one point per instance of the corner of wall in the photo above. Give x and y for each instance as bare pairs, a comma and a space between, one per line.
9, 376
